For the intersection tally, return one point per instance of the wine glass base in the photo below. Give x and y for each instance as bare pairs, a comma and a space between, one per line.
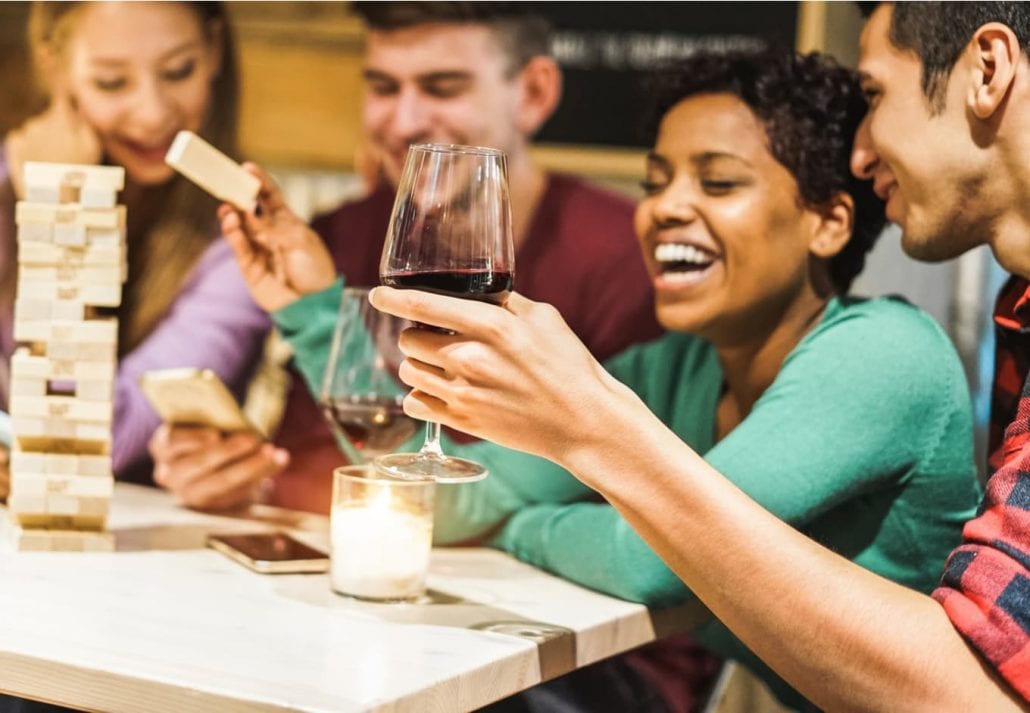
418, 466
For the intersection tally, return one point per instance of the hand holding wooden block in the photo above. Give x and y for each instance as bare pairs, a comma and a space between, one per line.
213, 171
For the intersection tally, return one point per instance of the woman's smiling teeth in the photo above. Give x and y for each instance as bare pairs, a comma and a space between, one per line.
679, 262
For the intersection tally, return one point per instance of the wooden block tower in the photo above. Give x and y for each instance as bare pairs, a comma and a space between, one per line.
71, 260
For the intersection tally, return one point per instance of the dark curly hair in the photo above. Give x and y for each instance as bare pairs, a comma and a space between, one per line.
810, 107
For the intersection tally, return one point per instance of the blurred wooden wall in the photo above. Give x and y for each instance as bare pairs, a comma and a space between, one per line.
301, 83
18, 97
301, 67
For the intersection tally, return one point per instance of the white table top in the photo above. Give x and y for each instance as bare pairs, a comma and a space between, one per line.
164, 624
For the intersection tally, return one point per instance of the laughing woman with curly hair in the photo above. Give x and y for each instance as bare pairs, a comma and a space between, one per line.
848, 418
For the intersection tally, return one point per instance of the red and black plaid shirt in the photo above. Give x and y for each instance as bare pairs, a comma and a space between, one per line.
986, 585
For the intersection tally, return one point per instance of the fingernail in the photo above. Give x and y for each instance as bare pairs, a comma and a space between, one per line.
281, 456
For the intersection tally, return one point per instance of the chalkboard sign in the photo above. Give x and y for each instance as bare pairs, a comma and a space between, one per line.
606, 49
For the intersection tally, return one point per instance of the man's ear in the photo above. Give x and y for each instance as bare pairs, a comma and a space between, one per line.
994, 53
836, 221
541, 86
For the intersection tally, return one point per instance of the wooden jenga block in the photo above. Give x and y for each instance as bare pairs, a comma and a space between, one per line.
68, 310
42, 539
96, 197
61, 504
93, 505
106, 218
74, 485
96, 295
212, 170
37, 253
59, 521
94, 389
86, 351
57, 429
32, 310
21, 539
91, 186
60, 465
90, 331
25, 365
37, 173
79, 541
27, 504
87, 274
40, 233
107, 237
32, 232
63, 445
28, 386
69, 234
69, 408
76, 506
43, 194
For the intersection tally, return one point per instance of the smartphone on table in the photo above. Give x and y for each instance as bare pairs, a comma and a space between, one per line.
271, 553
194, 397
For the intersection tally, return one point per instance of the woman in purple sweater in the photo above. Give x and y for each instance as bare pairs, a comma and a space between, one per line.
122, 79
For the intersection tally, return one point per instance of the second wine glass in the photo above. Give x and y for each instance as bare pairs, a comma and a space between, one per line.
450, 232
361, 395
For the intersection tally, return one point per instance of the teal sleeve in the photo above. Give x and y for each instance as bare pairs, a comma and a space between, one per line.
848, 414
307, 324
517, 481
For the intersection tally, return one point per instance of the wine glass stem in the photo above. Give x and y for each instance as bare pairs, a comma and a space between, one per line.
431, 448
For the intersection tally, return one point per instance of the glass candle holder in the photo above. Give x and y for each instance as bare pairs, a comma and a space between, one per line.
382, 532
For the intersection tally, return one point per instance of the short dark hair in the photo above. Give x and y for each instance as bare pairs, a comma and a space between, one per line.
523, 32
810, 107
938, 32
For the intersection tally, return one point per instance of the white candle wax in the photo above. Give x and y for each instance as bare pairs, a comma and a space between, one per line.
379, 552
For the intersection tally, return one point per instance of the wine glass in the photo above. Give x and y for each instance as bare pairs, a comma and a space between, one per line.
361, 395
450, 233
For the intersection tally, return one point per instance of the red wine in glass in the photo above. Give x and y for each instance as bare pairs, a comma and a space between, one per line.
360, 395
487, 285
373, 424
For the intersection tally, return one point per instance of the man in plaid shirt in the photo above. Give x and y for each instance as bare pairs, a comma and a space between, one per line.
986, 585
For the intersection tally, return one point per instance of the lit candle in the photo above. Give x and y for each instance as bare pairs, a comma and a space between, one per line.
379, 551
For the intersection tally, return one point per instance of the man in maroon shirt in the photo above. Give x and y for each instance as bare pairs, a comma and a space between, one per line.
461, 73
468, 74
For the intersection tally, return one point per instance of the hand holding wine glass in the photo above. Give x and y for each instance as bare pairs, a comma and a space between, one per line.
450, 232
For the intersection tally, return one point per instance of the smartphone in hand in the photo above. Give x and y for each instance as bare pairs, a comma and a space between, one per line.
194, 397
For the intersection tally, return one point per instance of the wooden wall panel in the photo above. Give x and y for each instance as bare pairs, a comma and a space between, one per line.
300, 65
